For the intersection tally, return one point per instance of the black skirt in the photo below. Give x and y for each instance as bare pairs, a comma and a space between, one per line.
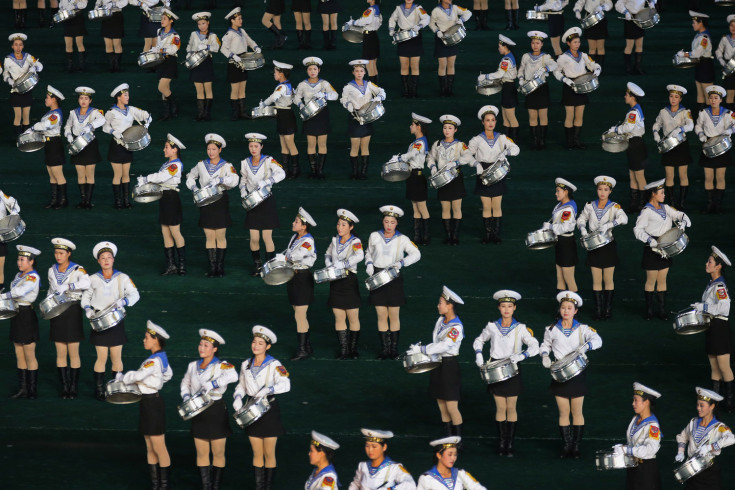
285, 121
709, 479
112, 337
213, 423
357, 130
445, 382
653, 261
3, 249
21, 100
603, 257
728, 83
390, 295
441, 50
718, 339
571, 98
632, 31
317, 125
494, 190
204, 72
169, 209
637, 154
645, 476
509, 387
117, 153
113, 27
275, 7
152, 412
147, 28
90, 155
566, 251
722, 161
555, 25
236, 75
301, 288
597, 31
344, 294
370, 45
69, 326
704, 71
329, 7
677, 157
74, 27
411, 48
54, 152
301, 6
509, 95
453, 190
269, 424
574, 388
416, 186
539, 98
264, 216
24, 326
169, 68
216, 215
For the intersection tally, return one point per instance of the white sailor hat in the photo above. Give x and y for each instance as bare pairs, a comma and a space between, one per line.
156, 330
715, 89
120, 88
698, 15
306, 217
347, 216
63, 244
391, 210
257, 137
216, 139
676, 88
419, 118
569, 296
730, 18
51, 90
282, 66
446, 442
645, 392
540, 35
211, 336
312, 60
373, 435
450, 119
17, 35
450, 295
485, 110
265, 334
88, 91
102, 247
359, 62
571, 33
201, 16
707, 395
505, 40
506, 296
233, 12
604, 179
565, 184
168, 13
657, 184
716, 251
174, 141
635, 89
318, 440
26, 251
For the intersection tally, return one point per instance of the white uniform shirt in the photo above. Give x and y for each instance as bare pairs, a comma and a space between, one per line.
168, 42
14, 68
305, 91
416, 154
653, 223
561, 342
591, 6
592, 216
531, 65
416, 17
383, 252
710, 125
301, 251
104, 292
644, 438
569, 66
695, 436
360, 95
564, 218
371, 19
72, 4
208, 173
344, 255
443, 153
74, 276
388, 475
9, 205
118, 120
24, 287
282, 96
441, 19
634, 124
50, 124
76, 123
460, 480
553, 5
701, 46
630, 6
148, 3
169, 175
268, 171
115, 5
270, 374
507, 70
236, 43
151, 375
506, 341
486, 150
326, 479
726, 49
673, 121
716, 298
446, 338
200, 42
221, 372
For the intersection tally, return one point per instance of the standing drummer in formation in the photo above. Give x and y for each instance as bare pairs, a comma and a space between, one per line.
74, 32
726, 52
561, 224
50, 127
112, 30
506, 75
8, 207
235, 43
712, 122
282, 99
15, 66
148, 27
445, 16
380, 470
409, 16
597, 33
389, 249
704, 71
416, 187
370, 22
555, 22
537, 64
633, 35
203, 74
168, 43
443, 473
507, 337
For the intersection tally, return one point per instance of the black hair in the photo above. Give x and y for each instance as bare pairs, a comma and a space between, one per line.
286, 73
704, 21
329, 453
307, 225
570, 194
439, 451
423, 127
161, 342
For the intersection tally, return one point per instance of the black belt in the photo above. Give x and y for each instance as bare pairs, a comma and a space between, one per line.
417, 171
151, 395
49, 138
25, 306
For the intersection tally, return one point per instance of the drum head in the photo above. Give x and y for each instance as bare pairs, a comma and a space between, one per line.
277, 273
134, 133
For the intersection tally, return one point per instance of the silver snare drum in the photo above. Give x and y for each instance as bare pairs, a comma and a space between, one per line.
276, 272
255, 198
146, 193
252, 61
719, 145
729, 68
30, 141
381, 278
119, 393
329, 274
80, 143
531, 85
569, 366
495, 172
671, 141
11, 227
420, 363
352, 33
208, 195
63, 16
56, 304
691, 321
395, 171
370, 113
693, 466
647, 18
135, 138
107, 318
497, 371
312, 108
540, 239
25, 83
614, 142
596, 239
672, 243
403, 36
252, 411
592, 20
442, 178
195, 405
585, 84
534, 15
99, 14
680, 61
196, 58
150, 59
267, 111
489, 87
608, 460
454, 35
155, 14
8, 308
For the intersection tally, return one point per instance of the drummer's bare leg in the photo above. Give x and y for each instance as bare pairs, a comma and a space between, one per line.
501, 414
177, 236
209, 238
394, 318
254, 240
669, 173
20, 358
510, 408
117, 45
564, 406
701, 99
372, 69
61, 353
164, 87
29, 354
157, 450
661, 279
148, 43
220, 236
457, 208
442, 69
302, 322
569, 125
365, 146
420, 210
58, 174
17, 115
683, 179
202, 447
2, 274
568, 274
26, 114
576, 405
720, 178
382, 313
496, 206
509, 118
116, 358
218, 452
75, 361
607, 277
638, 178
353, 316
340, 319
592, 46
269, 451
257, 445
450, 64
116, 173
322, 144
268, 241
556, 46
578, 115
533, 117
101, 362
596, 278
723, 367
168, 239
560, 285
452, 407
52, 176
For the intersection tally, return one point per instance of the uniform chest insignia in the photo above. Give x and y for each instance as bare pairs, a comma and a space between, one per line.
566, 215
357, 246
422, 11
177, 41
282, 371
101, 111
653, 432
464, 147
631, 117
172, 169
453, 334
504, 65
226, 365
721, 293
306, 245
149, 364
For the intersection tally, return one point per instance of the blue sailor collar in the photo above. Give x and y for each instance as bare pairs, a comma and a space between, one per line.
215, 360
374, 469
115, 272
161, 355
434, 473
396, 234
567, 333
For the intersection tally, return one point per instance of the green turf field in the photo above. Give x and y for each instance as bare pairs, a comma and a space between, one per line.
51, 443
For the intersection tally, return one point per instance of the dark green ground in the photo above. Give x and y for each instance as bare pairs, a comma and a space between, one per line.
49, 443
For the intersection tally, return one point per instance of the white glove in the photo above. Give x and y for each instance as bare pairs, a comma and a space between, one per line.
546, 226
370, 269
599, 9
415, 29
62, 288
583, 231
568, 81
350, 107
237, 404
479, 360
439, 34
656, 137
70, 138
618, 450
280, 257
703, 138
704, 450
218, 181
680, 53
141, 180
414, 349
88, 129
606, 226
10, 81
120, 303
628, 16
129, 378
320, 95
653, 243
7, 295
262, 392
481, 77
546, 362
453, 164
698, 306
583, 348
119, 377
578, 14
516, 358
687, 221
377, 98
208, 386
257, 49
537, 8
679, 457
613, 129
597, 71
236, 58
202, 45
117, 135
262, 184
433, 171
89, 312
145, 8
397, 265
539, 72
391, 32
478, 168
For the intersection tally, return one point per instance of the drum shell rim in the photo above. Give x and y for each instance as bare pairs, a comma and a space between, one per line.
34, 137
606, 454
371, 281
684, 61
460, 33
496, 167
207, 401
12, 233
320, 106
132, 393
215, 193
276, 265
26, 79
249, 202
398, 34
538, 83
542, 241
607, 237
450, 171
375, 112
596, 16
49, 313
419, 362
712, 150
689, 467
86, 138
8, 308
586, 87
262, 112
352, 33
117, 315
500, 363
99, 13
679, 244
200, 56
563, 365
699, 327
676, 141
245, 409
155, 59
614, 143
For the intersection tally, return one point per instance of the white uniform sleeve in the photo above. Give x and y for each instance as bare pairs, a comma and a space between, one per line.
651, 443
639, 230
480, 340
230, 179
413, 254
130, 292
444, 345
532, 347
240, 390
280, 381
701, 47
545, 348
469, 482
592, 338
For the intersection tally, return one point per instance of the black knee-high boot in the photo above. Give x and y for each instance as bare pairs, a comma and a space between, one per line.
450, 85
577, 142
125, 188
69, 62
426, 239
384, 345
455, 230
90, 193
364, 162
155, 471
488, 230
74, 382
82, 196
406, 87
669, 192
200, 110
447, 231
577, 432
54, 196
307, 39
207, 114
510, 435
301, 352
295, 169
394, 336
212, 257
82, 61
566, 437
661, 298
259, 472
638, 67
170, 262
414, 86
325, 40
164, 477
320, 161
181, 266
500, 426
217, 476
22, 385
649, 305
354, 338
235, 106
62, 201
257, 263
418, 225
569, 133
497, 225
355, 162
609, 293
628, 61
344, 346
683, 191
205, 475
312, 165
99, 386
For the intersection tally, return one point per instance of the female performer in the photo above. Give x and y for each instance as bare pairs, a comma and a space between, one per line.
119, 118
561, 224
321, 454
443, 473
537, 64
370, 22
74, 32
506, 336
564, 337
113, 31
726, 52
712, 122
148, 27
656, 218
282, 99
215, 217
389, 249
210, 428
596, 34
302, 16
203, 74
168, 43
409, 16
16, 65
170, 215
260, 171
704, 71
67, 329
380, 468
85, 119
235, 43
489, 147
8, 206
272, 21
506, 73
445, 16
416, 188
633, 35
329, 10
50, 127
602, 215
263, 376
555, 22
